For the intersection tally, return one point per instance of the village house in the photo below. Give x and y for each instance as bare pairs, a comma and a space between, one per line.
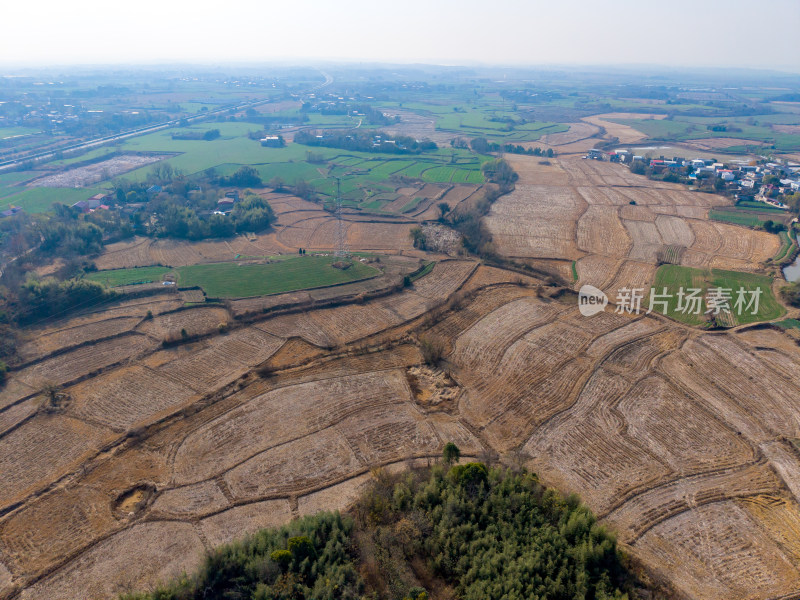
272, 141
225, 205
11, 210
93, 203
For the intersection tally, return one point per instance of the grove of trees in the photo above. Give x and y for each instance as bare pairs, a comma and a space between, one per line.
486, 533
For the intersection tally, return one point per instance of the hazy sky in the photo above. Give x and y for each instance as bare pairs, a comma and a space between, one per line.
753, 33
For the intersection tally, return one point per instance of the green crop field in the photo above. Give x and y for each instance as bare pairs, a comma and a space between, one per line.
675, 277
737, 218
230, 280
118, 277
363, 175
438, 174
475, 123
290, 172
409, 206
9, 181
759, 207
10, 132
199, 155
416, 169
385, 169
40, 199
424, 271
95, 153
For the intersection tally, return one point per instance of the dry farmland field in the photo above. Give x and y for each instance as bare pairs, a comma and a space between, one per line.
153, 455
615, 225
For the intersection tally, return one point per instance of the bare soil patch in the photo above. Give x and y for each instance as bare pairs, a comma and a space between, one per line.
624, 133
100, 171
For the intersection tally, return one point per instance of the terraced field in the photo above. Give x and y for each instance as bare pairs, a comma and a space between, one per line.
676, 437
300, 224
617, 226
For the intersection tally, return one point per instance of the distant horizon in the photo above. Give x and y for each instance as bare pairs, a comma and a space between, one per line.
511, 33
633, 68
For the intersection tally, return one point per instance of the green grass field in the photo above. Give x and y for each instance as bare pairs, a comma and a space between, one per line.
674, 277
229, 280
8, 183
786, 246
117, 277
788, 324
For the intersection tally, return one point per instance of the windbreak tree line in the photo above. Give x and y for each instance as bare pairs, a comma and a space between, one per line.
376, 141
473, 532
484, 146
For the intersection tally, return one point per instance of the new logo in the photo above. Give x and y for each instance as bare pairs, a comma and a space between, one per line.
591, 300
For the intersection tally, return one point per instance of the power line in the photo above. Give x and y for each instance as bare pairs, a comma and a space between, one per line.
341, 244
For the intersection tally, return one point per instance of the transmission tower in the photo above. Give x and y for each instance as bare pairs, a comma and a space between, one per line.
341, 244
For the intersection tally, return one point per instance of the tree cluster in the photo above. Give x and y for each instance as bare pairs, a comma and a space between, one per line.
484, 146
771, 226
358, 141
309, 558
245, 176
500, 172
208, 135
791, 294
173, 219
488, 534
42, 298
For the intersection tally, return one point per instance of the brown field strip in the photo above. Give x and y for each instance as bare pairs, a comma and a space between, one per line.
537, 222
